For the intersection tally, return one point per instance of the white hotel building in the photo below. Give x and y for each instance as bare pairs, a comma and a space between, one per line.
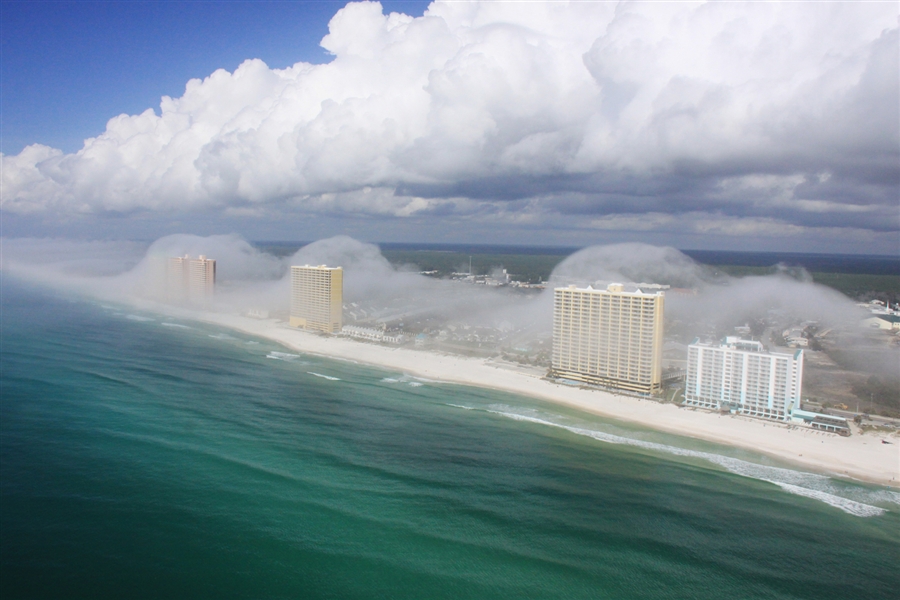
741, 376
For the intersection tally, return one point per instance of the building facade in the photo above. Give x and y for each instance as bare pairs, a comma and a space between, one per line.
317, 295
176, 278
611, 337
201, 279
741, 376
190, 279
886, 321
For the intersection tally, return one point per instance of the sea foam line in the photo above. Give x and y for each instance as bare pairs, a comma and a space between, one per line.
795, 482
410, 380
282, 356
328, 377
221, 336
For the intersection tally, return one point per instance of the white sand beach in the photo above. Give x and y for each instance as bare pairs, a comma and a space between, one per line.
861, 457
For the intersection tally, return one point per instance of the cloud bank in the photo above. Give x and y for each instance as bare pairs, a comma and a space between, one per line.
733, 118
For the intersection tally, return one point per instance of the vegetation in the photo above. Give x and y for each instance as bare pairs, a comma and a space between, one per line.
881, 391
863, 287
531, 268
859, 286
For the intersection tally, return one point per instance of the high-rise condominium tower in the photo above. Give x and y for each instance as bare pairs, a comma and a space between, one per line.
608, 337
317, 295
201, 279
191, 279
741, 376
176, 278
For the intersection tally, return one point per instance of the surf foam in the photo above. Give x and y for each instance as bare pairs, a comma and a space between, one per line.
328, 377
282, 356
809, 485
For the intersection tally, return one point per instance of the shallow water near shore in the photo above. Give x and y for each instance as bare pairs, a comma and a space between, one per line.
147, 457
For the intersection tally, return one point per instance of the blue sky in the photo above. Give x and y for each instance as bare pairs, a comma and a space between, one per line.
738, 125
67, 67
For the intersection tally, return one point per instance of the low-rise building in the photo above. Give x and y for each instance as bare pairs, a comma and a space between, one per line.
821, 421
794, 337
885, 322
372, 334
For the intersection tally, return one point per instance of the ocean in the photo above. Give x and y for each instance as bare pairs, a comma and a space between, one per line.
147, 457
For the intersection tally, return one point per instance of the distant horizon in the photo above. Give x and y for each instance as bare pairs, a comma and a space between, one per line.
451, 245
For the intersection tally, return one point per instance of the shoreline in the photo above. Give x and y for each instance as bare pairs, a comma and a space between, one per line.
859, 457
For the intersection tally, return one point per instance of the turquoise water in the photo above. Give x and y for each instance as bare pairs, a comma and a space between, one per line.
143, 457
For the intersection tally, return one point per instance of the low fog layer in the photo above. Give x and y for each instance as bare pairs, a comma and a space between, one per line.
700, 302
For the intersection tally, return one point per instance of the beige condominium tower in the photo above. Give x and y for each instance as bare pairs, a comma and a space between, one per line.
317, 295
192, 279
611, 337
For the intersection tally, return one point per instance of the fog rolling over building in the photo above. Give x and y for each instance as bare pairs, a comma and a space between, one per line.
317, 295
190, 279
741, 376
608, 337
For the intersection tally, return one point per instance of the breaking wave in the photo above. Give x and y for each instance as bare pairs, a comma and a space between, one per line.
328, 377
408, 380
282, 356
809, 485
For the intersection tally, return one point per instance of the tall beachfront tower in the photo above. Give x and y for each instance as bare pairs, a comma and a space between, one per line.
177, 269
201, 279
317, 295
741, 376
608, 337
191, 279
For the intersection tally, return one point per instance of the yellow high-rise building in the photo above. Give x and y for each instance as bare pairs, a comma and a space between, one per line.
317, 296
608, 337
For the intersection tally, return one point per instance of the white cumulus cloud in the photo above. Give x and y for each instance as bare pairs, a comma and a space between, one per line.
785, 112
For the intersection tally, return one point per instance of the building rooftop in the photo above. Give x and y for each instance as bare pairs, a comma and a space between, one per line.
616, 288
888, 318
